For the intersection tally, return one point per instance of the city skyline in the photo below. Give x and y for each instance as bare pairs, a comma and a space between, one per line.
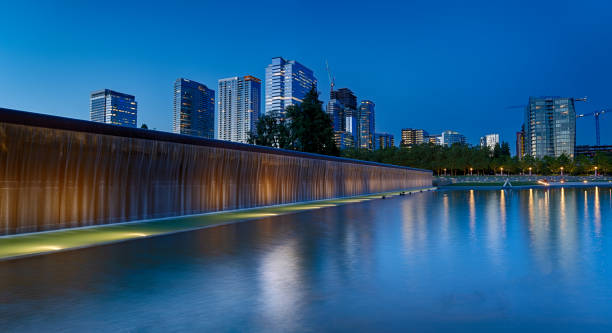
463, 71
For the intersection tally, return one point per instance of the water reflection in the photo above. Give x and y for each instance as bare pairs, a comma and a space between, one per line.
428, 261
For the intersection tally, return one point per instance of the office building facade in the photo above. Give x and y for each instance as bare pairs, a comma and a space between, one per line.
193, 109
383, 140
413, 136
345, 96
287, 83
366, 125
489, 141
111, 107
342, 109
239, 103
550, 126
449, 138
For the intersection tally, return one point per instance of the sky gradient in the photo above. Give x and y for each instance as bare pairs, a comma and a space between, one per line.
431, 65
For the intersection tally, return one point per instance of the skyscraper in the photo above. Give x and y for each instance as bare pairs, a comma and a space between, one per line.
550, 126
335, 110
239, 107
342, 110
345, 96
287, 83
194, 109
365, 125
413, 136
111, 107
451, 137
489, 140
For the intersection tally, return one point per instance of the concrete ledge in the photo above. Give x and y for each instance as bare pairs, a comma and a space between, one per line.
550, 185
40, 243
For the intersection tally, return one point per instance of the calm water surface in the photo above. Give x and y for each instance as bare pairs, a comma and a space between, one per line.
448, 260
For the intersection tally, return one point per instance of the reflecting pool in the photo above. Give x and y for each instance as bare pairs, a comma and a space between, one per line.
446, 260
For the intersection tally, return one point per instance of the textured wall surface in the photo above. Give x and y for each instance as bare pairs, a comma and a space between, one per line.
58, 177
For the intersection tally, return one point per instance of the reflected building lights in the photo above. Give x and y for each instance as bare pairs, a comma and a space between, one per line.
472, 208
280, 282
597, 213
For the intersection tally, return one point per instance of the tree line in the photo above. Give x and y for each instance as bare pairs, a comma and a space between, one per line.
308, 128
458, 159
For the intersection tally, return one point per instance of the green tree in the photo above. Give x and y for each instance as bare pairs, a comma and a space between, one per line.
271, 132
310, 128
505, 149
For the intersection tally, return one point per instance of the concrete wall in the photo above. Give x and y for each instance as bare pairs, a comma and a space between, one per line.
58, 173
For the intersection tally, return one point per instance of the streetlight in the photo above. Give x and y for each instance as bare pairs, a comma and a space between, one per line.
595, 171
561, 171
471, 171
530, 171
502, 171
445, 171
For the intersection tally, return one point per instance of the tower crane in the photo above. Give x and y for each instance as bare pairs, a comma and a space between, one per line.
332, 80
595, 114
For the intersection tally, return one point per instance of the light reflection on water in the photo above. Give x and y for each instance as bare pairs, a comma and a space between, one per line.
446, 260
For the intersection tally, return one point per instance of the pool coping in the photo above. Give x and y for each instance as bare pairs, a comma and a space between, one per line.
521, 187
48, 242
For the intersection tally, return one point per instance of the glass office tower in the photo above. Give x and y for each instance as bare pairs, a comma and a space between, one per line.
342, 109
345, 96
448, 138
239, 107
111, 107
194, 109
550, 126
335, 110
287, 83
366, 125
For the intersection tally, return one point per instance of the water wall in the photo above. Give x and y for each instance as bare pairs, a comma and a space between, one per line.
59, 173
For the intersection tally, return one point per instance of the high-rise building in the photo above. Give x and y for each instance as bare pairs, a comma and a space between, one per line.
489, 141
335, 110
342, 109
365, 125
383, 140
111, 107
194, 109
413, 136
520, 143
287, 83
239, 107
550, 126
345, 96
451, 137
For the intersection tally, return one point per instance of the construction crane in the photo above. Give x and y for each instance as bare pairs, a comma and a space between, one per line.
595, 114
332, 80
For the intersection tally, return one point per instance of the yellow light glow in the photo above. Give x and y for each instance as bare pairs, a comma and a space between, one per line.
47, 248
137, 234
261, 214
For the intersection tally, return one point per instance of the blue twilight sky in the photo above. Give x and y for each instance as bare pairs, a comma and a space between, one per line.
427, 64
